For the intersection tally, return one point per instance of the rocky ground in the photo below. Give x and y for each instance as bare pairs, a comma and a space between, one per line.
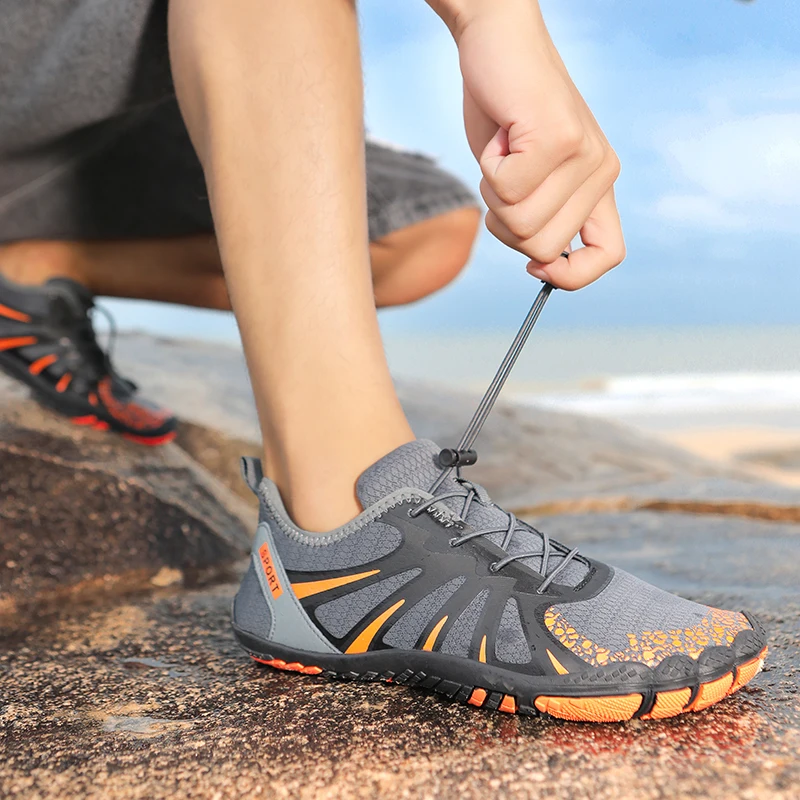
119, 677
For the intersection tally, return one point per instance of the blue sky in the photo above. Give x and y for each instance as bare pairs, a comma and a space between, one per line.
700, 98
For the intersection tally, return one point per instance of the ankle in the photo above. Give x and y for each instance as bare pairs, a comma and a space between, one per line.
33, 262
318, 487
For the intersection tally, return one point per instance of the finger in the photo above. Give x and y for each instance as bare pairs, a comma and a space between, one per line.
529, 217
547, 243
480, 127
532, 157
501, 232
604, 249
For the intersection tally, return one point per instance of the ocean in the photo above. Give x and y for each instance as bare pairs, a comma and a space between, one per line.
658, 379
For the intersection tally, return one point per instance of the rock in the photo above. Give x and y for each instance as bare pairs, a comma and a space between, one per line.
146, 695
83, 512
152, 699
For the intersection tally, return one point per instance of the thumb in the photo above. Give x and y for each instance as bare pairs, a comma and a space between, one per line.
480, 127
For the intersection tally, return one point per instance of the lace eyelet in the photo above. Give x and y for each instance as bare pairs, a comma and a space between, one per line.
411, 513
454, 541
493, 566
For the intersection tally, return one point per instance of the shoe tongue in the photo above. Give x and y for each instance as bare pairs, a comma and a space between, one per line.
415, 465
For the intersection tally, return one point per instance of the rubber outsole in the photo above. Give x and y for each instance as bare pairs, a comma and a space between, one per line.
609, 708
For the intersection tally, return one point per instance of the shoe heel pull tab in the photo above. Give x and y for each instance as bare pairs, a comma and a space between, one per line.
252, 472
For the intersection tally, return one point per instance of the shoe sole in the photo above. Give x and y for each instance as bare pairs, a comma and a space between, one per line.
86, 421
598, 703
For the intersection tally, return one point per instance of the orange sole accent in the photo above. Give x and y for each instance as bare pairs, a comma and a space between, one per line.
509, 705
150, 441
747, 672
63, 382
590, 709
292, 667
616, 708
669, 704
477, 698
90, 419
712, 692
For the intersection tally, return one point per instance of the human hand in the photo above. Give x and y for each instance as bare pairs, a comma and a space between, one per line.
548, 169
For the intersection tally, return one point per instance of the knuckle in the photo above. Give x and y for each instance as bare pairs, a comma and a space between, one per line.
522, 227
570, 139
509, 193
595, 157
618, 254
614, 165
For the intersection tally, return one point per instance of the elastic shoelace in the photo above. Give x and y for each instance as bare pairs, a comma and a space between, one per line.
464, 455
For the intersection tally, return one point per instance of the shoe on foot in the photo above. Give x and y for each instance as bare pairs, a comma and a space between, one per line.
47, 341
451, 593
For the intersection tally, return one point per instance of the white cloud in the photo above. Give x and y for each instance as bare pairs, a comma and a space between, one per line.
698, 209
734, 170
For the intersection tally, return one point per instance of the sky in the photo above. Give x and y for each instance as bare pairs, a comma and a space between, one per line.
700, 99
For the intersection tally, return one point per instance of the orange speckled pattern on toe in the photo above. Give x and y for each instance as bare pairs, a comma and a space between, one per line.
719, 628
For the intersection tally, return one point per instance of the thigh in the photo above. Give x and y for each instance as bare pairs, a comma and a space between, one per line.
404, 188
87, 100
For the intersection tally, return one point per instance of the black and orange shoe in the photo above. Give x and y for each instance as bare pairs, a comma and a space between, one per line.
434, 586
48, 342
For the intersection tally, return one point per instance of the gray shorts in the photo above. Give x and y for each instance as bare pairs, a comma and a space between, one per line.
92, 145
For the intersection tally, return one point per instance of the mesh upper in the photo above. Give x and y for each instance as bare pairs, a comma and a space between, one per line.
360, 547
250, 608
407, 630
510, 644
629, 606
415, 465
340, 616
459, 637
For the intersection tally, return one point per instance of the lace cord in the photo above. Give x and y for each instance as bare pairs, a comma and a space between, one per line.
463, 455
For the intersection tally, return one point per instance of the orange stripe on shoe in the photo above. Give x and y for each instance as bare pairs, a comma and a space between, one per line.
101, 425
590, 709
10, 313
92, 398
477, 698
309, 588
17, 341
63, 382
431, 640
557, 665
42, 364
364, 639
482, 653
669, 704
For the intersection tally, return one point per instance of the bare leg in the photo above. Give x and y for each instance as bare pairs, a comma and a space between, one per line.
271, 95
407, 264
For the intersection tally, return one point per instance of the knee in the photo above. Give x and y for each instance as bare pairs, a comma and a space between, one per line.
420, 260
451, 243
